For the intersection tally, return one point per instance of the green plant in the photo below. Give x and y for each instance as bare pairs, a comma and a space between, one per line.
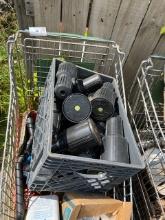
8, 26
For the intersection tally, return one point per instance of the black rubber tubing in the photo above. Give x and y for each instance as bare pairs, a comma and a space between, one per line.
20, 207
30, 128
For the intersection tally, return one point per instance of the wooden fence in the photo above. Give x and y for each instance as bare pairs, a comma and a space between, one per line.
134, 24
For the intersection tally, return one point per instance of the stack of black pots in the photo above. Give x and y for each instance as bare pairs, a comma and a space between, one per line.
86, 119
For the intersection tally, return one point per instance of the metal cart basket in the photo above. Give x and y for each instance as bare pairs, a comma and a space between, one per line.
147, 116
29, 61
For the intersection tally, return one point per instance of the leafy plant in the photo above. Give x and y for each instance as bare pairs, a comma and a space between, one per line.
8, 26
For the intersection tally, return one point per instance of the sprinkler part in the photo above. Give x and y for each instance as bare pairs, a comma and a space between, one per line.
103, 101
90, 154
63, 86
65, 75
67, 68
114, 126
56, 119
101, 127
76, 108
78, 138
89, 84
116, 148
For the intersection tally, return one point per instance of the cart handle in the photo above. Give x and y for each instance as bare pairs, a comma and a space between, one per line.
73, 36
156, 56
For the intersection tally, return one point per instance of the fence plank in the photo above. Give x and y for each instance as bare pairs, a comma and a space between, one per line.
103, 16
160, 50
146, 40
47, 13
128, 21
74, 16
160, 47
24, 20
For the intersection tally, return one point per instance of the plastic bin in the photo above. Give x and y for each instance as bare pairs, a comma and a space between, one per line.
34, 56
57, 172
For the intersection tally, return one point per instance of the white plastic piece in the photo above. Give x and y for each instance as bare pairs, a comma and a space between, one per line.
37, 31
43, 208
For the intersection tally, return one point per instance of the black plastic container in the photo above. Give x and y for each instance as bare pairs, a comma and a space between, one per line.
67, 68
76, 108
63, 86
114, 126
103, 101
78, 138
65, 75
56, 120
101, 127
116, 148
92, 153
89, 84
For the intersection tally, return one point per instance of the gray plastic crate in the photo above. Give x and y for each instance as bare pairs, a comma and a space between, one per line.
57, 172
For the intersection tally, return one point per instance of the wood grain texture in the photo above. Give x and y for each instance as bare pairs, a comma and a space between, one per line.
164, 99
74, 16
47, 13
146, 40
160, 47
24, 20
134, 24
129, 18
103, 16
160, 50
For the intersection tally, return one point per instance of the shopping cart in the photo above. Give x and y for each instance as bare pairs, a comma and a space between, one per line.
29, 62
147, 116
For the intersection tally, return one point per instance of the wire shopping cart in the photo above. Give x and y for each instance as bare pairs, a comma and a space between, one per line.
29, 62
146, 111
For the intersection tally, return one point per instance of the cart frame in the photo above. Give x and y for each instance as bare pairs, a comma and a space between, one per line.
146, 113
27, 56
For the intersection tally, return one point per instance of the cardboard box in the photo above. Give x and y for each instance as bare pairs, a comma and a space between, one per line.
77, 206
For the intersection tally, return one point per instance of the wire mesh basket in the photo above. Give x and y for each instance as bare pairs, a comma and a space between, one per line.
146, 111
29, 62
